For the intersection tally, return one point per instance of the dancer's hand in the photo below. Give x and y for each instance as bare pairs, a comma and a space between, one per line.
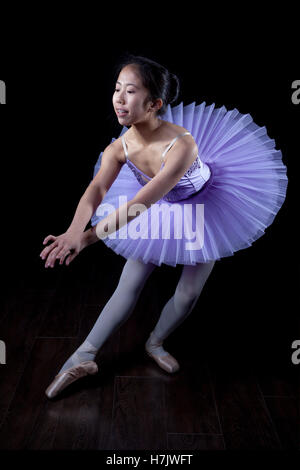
64, 247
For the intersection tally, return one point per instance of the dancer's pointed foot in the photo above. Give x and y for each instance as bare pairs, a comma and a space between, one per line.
65, 378
168, 362
155, 350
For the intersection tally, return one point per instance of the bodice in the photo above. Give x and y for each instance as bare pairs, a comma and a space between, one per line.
191, 182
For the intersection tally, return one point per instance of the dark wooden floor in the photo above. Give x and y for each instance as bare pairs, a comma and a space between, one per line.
212, 403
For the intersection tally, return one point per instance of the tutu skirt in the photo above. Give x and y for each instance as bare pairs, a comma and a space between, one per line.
246, 189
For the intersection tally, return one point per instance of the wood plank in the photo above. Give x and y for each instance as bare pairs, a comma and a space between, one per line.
245, 419
80, 417
183, 441
138, 414
286, 417
19, 331
192, 409
30, 399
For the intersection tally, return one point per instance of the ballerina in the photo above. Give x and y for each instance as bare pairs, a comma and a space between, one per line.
176, 174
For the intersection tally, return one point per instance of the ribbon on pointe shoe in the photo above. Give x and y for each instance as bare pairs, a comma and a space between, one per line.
164, 359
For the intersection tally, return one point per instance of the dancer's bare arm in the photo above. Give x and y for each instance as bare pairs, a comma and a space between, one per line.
70, 243
95, 192
180, 158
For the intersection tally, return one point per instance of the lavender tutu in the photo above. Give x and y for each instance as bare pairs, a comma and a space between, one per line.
203, 218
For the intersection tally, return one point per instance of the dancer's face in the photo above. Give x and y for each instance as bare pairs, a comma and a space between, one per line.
131, 95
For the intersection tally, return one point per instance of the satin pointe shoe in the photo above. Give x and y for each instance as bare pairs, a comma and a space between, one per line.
68, 376
166, 361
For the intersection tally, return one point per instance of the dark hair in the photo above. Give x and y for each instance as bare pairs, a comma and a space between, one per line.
155, 77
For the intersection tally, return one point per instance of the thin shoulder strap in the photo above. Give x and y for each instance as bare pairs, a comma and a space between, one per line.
173, 142
124, 146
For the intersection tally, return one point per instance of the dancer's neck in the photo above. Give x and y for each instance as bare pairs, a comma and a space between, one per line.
144, 132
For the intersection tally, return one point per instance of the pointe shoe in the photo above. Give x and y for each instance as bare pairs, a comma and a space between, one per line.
68, 376
166, 362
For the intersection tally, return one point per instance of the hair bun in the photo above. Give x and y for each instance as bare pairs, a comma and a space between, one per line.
174, 87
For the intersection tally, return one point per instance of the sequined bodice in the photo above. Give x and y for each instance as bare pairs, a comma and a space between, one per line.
191, 182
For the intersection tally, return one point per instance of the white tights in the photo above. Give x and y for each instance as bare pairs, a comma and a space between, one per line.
122, 303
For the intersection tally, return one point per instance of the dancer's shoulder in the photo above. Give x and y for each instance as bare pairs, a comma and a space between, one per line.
115, 149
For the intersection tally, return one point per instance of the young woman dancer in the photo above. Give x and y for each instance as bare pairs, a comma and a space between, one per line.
177, 174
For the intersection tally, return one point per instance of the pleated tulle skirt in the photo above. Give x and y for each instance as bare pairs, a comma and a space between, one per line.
245, 191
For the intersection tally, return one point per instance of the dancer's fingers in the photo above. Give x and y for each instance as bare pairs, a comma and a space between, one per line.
52, 257
70, 258
63, 256
49, 237
44, 254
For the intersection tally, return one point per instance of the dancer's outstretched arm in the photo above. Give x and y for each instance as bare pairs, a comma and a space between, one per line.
69, 244
181, 157
95, 192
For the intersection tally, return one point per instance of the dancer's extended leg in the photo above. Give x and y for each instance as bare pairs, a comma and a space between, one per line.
180, 305
116, 311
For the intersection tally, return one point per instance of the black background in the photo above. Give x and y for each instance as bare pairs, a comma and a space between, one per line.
58, 119
58, 65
